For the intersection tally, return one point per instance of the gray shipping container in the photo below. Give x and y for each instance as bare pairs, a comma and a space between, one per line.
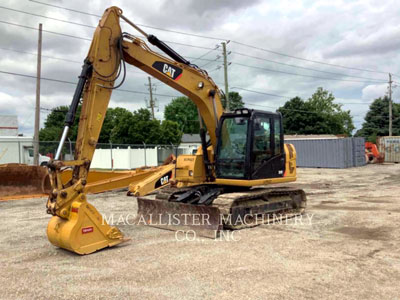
359, 151
329, 153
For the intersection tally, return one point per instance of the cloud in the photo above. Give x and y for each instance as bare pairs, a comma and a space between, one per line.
193, 14
372, 92
384, 41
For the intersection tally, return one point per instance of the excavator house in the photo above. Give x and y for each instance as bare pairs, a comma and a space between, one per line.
227, 181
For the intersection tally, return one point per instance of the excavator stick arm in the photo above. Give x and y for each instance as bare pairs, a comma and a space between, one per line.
76, 224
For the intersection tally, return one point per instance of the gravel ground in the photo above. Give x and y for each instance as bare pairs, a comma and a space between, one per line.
349, 249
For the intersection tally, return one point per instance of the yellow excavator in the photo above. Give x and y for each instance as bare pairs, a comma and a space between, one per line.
221, 186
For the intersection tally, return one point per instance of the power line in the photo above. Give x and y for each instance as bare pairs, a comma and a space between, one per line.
300, 67
195, 58
309, 60
217, 68
74, 61
46, 17
288, 97
205, 54
87, 39
53, 110
287, 109
34, 77
206, 64
46, 56
257, 92
121, 90
303, 75
147, 26
70, 9
64, 59
57, 58
53, 32
74, 83
139, 92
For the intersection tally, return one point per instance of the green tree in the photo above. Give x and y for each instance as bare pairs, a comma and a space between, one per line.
170, 133
184, 112
53, 127
235, 101
142, 128
54, 124
295, 120
318, 115
377, 120
114, 120
120, 126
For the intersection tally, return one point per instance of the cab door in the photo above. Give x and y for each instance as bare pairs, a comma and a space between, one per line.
267, 154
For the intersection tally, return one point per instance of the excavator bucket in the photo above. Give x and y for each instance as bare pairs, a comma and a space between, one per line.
23, 181
84, 230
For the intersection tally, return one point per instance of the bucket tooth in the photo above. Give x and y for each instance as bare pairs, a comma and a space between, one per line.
84, 232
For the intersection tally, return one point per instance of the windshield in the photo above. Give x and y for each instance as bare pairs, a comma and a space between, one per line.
232, 150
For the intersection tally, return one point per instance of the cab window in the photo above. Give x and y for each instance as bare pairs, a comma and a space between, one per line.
234, 138
262, 150
277, 136
232, 151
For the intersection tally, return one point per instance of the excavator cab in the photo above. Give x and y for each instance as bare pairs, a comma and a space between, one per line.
250, 145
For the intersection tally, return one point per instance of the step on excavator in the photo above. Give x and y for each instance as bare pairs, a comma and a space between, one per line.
223, 185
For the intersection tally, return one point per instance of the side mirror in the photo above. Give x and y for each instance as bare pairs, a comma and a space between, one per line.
240, 121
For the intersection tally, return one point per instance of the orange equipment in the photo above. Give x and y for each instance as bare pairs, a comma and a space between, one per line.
372, 154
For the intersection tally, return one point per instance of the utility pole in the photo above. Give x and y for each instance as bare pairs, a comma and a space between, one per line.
226, 74
37, 108
151, 104
390, 105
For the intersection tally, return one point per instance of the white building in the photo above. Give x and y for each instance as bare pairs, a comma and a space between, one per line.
8, 125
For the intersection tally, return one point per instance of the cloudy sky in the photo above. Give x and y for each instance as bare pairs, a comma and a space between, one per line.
297, 46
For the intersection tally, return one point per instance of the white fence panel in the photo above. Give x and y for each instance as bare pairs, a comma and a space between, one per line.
121, 158
124, 158
101, 159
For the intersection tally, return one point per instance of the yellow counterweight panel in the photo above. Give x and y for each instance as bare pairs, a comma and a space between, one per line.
190, 169
290, 165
